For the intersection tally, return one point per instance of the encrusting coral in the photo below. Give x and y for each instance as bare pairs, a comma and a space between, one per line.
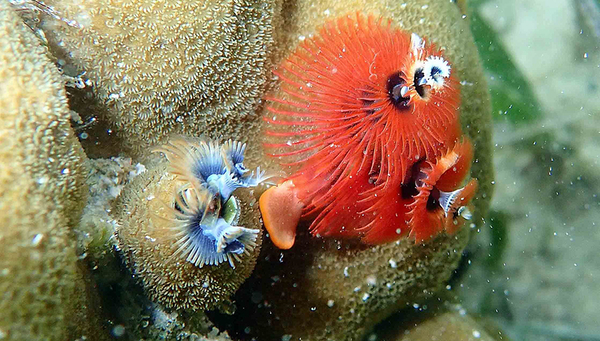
323, 289
438, 321
105, 179
163, 67
448, 326
44, 291
190, 245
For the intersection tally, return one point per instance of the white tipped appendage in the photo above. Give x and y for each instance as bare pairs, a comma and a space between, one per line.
435, 70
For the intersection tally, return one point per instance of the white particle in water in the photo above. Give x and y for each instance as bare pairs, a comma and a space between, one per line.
37, 239
118, 330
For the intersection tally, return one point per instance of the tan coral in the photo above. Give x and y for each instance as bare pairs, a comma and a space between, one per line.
330, 291
146, 236
448, 326
42, 190
322, 290
163, 67
439, 322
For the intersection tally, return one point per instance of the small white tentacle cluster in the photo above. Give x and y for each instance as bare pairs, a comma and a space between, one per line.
434, 69
417, 45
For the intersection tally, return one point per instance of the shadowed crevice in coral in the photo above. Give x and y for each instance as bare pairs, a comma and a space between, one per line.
96, 136
324, 289
276, 271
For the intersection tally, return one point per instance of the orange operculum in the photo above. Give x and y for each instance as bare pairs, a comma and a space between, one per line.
453, 177
281, 211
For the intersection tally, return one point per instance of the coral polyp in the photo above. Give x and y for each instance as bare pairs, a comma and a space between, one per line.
360, 104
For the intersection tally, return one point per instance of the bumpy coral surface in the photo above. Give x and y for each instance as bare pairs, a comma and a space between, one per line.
323, 290
42, 190
449, 327
326, 291
164, 67
147, 232
446, 322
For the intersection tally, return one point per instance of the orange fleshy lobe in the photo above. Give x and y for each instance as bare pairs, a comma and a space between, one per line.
281, 210
351, 120
455, 175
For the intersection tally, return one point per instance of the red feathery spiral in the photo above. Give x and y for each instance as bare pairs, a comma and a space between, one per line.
339, 122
